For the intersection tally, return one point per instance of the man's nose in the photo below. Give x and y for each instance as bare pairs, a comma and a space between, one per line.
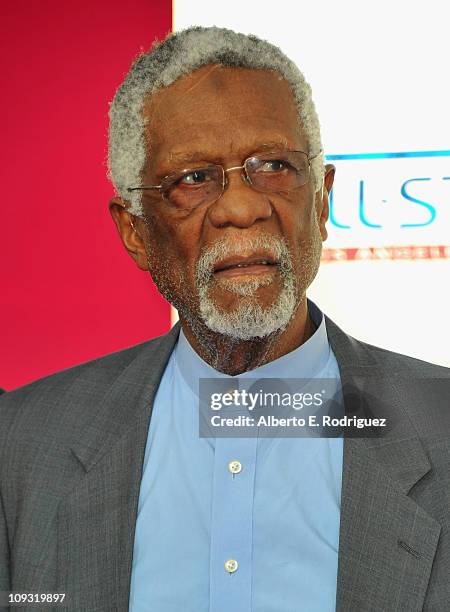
239, 205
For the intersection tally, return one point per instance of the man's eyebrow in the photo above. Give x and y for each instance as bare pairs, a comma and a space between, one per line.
192, 156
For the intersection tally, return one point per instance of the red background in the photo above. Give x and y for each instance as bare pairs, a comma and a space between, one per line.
69, 291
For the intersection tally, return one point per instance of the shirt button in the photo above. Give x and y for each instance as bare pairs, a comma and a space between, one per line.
231, 565
235, 467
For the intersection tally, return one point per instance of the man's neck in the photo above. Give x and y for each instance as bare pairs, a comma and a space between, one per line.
234, 356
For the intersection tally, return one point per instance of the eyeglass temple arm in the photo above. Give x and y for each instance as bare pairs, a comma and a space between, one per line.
314, 156
144, 187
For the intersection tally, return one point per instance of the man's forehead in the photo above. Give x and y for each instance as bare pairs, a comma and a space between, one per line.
214, 75
215, 80
218, 112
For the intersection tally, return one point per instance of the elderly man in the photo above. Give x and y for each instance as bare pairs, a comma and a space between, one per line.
108, 492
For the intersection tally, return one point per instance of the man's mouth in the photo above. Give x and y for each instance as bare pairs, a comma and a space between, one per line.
245, 266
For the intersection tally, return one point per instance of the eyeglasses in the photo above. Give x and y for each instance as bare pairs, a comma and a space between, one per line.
272, 172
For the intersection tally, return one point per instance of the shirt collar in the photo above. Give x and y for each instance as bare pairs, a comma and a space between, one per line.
303, 362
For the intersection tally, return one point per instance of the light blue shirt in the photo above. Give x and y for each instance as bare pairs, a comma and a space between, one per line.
278, 518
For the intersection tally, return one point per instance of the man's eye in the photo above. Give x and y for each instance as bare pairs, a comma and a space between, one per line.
273, 165
196, 177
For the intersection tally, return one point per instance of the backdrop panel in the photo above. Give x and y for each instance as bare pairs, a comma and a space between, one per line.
69, 292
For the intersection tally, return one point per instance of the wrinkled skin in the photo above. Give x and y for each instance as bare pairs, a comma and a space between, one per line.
223, 115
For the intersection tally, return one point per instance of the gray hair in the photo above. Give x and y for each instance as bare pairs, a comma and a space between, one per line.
178, 55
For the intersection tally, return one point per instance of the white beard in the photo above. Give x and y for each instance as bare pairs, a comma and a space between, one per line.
249, 319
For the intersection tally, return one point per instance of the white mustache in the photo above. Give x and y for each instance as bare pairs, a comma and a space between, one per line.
273, 245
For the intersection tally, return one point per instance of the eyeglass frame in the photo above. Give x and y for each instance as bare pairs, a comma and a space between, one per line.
225, 181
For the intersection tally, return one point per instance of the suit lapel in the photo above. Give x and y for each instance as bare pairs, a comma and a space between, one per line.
96, 522
387, 542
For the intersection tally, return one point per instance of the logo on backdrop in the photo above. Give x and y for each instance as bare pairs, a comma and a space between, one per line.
389, 206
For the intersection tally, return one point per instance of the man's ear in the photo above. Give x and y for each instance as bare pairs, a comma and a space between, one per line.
323, 199
131, 231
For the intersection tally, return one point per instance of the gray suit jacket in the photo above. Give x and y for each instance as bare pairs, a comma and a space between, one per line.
71, 455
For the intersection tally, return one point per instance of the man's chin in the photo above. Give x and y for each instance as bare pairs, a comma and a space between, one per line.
230, 293
263, 311
246, 322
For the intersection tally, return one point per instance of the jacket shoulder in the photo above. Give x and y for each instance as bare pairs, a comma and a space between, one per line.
357, 354
94, 377
400, 363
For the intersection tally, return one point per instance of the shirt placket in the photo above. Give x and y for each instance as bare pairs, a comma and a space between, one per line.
232, 524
